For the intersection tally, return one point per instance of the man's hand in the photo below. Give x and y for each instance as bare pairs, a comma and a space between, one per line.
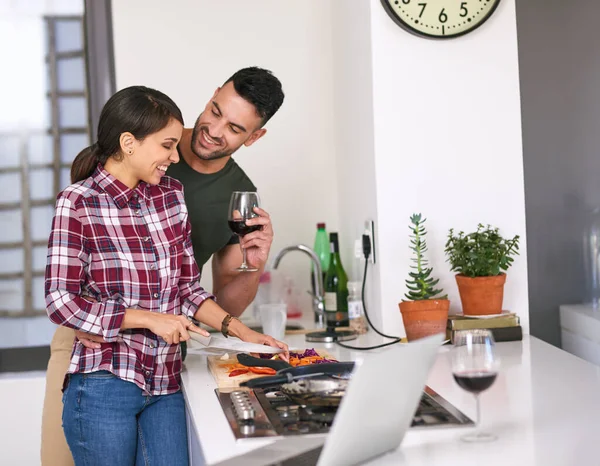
258, 243
88, 340
235, 291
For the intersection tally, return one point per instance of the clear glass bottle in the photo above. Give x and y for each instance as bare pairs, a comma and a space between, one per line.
356, 312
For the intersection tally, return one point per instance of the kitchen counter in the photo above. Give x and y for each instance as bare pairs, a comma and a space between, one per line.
544, 407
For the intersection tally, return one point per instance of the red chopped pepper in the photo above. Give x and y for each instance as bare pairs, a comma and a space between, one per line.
237, 372
263, 370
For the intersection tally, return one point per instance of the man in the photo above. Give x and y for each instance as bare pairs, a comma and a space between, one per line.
234, 116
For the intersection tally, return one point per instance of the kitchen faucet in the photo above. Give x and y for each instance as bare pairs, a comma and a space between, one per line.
318, 297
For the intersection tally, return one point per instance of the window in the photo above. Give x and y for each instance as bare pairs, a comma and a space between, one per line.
44, 123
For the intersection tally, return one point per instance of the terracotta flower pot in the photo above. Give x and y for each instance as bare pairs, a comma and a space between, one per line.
481, 295
424, 318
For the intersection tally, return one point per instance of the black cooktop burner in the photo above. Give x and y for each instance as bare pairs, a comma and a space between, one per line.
304, 427
273, 414
321, 414
273, 394
288, 413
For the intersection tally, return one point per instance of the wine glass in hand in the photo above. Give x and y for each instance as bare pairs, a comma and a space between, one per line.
475, 367
241, 208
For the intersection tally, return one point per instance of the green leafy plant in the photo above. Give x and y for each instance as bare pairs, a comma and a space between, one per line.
420, 284
483, 253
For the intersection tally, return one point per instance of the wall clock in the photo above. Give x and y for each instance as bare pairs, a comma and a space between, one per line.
439, 19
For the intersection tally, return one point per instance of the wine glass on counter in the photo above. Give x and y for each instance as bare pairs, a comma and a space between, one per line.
241, 209
475, 368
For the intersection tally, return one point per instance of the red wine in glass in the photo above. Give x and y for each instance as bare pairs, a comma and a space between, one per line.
240, 228
241, 209
475, 368
475, 382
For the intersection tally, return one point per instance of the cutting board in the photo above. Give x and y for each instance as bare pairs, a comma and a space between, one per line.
220, 370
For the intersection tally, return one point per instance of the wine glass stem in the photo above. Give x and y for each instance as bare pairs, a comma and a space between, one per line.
244, 265
478, 411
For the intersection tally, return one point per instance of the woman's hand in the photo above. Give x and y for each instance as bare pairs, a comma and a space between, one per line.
251, 336
173, 329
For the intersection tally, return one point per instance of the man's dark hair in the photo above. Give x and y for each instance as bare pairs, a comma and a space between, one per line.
259, 87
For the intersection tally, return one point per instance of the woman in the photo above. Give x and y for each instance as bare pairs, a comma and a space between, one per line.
121, 265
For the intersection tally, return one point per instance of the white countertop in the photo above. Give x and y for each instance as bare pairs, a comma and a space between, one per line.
544, 407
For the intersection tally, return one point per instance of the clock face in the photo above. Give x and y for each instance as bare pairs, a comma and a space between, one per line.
440, 19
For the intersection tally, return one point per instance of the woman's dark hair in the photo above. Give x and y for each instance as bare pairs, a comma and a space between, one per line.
137, 109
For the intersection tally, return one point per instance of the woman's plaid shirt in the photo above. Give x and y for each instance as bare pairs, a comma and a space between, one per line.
122, 248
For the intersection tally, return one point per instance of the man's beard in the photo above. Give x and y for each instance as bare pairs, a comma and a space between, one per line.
217, 154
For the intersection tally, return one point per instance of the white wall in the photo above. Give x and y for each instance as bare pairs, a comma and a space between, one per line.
354, 139
406, 124
447, 144
190, 48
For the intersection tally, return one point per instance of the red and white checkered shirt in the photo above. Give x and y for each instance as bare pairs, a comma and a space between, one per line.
125, 249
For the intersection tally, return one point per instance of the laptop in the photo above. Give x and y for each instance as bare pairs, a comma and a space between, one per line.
368, 423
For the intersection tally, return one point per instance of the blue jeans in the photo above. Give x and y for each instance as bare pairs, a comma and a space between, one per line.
108, 421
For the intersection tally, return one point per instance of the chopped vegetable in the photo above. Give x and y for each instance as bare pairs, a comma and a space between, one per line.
262, 370
307, 353
239, 369
225, 357
309, 356
232, 367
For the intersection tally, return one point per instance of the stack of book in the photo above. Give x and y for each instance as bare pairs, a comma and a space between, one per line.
504, 327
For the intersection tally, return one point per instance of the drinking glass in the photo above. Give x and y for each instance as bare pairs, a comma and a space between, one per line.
475, 367
241, 208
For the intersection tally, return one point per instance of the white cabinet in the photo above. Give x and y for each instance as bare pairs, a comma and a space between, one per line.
195, 451
580, 331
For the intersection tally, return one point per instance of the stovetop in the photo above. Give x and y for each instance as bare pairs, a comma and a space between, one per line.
254, 413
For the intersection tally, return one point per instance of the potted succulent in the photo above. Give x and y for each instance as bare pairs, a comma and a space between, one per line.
481, 259
424, 312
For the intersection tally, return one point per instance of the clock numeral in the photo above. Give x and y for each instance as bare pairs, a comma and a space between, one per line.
406, 2
422, 5
463, 9
443, 16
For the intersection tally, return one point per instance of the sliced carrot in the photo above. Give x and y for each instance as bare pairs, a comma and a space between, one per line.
262, 370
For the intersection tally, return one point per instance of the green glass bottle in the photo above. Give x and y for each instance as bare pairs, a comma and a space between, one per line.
321, 249
336, 287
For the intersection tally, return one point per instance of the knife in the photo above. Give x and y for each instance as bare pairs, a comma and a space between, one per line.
230, 344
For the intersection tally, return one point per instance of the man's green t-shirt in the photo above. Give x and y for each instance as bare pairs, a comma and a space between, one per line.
207, 199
